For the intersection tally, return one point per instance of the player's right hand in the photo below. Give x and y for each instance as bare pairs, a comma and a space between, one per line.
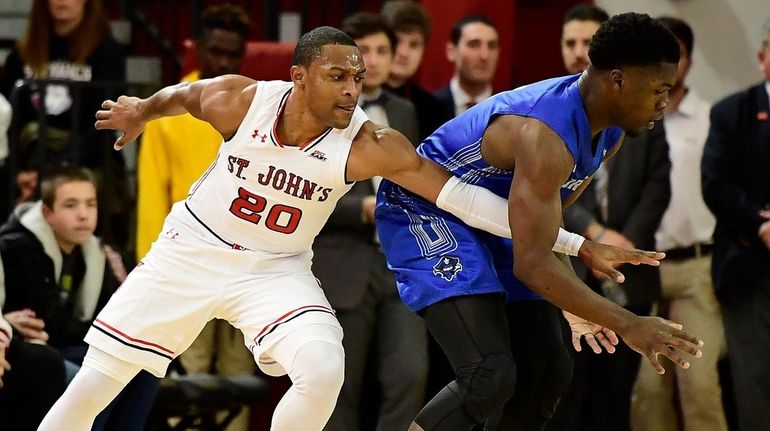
654, 336
123, 115
604, 259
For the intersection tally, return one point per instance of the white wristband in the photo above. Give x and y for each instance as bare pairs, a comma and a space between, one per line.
568, 243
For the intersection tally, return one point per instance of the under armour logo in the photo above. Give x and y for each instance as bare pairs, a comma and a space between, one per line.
256, 135
172, 233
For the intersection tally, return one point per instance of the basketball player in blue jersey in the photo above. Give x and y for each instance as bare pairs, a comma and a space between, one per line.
488, 300
238, 248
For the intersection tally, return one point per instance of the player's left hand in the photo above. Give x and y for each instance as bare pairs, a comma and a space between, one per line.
123, 115
605, 258
596, 336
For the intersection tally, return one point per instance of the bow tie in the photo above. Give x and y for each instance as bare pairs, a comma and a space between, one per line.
378, 101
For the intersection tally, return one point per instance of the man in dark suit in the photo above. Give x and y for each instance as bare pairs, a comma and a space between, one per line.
411, 24
474, 48
364, 294
622, 206
735, 172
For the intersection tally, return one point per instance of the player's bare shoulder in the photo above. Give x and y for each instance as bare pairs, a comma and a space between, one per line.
379, 150
225, 101
513, 138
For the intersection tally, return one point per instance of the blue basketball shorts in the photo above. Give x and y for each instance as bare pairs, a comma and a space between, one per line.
436, 256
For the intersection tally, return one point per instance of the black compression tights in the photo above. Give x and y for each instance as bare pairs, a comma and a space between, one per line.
510, 363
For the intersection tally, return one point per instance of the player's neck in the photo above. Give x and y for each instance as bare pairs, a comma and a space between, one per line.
296, 124
595, 103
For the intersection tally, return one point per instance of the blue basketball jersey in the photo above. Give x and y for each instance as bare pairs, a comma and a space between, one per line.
556, 102
433, 254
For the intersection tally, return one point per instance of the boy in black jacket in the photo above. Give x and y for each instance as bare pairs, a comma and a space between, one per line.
58, 275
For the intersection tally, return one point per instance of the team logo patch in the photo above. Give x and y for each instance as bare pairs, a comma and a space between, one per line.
447, 267
320, 155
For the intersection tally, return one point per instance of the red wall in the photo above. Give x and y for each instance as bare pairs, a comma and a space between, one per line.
529, 30
444, 13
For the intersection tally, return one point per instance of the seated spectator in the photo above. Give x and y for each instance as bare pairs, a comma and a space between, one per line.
34, 383
67, 41
57, 276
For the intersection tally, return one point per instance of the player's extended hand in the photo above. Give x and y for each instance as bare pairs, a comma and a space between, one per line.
124, 116
654, 336
596, 336
605, 258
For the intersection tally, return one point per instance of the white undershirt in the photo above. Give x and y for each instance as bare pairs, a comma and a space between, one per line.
687, 219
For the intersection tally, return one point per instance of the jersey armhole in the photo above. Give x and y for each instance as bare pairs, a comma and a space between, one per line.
258, 93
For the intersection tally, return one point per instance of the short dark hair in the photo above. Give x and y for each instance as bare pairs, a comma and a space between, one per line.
362, 24
310, 44
586, 12
226, 17
632, 39
457, 29
406, 15
62, 175
682, 31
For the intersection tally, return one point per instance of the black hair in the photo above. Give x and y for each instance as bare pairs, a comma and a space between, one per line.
406, 15
309, 45
226, 17
457, 29
632, 39
682, 31
362, 24
586, 12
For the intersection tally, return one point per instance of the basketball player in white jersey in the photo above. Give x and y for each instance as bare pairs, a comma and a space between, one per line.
239, 247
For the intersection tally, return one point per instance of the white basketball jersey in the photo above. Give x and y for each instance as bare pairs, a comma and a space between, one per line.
261, 195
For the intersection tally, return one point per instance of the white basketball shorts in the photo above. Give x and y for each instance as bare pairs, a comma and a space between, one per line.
190, 277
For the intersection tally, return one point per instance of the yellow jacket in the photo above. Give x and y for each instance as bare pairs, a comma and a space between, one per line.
174, 152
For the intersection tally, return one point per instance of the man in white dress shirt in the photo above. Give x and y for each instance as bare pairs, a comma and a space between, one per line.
687, 290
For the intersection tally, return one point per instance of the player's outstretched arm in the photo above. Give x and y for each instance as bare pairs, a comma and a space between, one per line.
221, 101
543, 163
386, 152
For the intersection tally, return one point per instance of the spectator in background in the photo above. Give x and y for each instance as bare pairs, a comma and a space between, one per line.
168, 166
473, 49
364, 296
622, 206
57, 276
5, 180
735, 172
411, 24
580, 24
31, 378
67, 41
687, 291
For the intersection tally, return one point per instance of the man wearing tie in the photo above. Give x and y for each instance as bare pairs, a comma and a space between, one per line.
474, 49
